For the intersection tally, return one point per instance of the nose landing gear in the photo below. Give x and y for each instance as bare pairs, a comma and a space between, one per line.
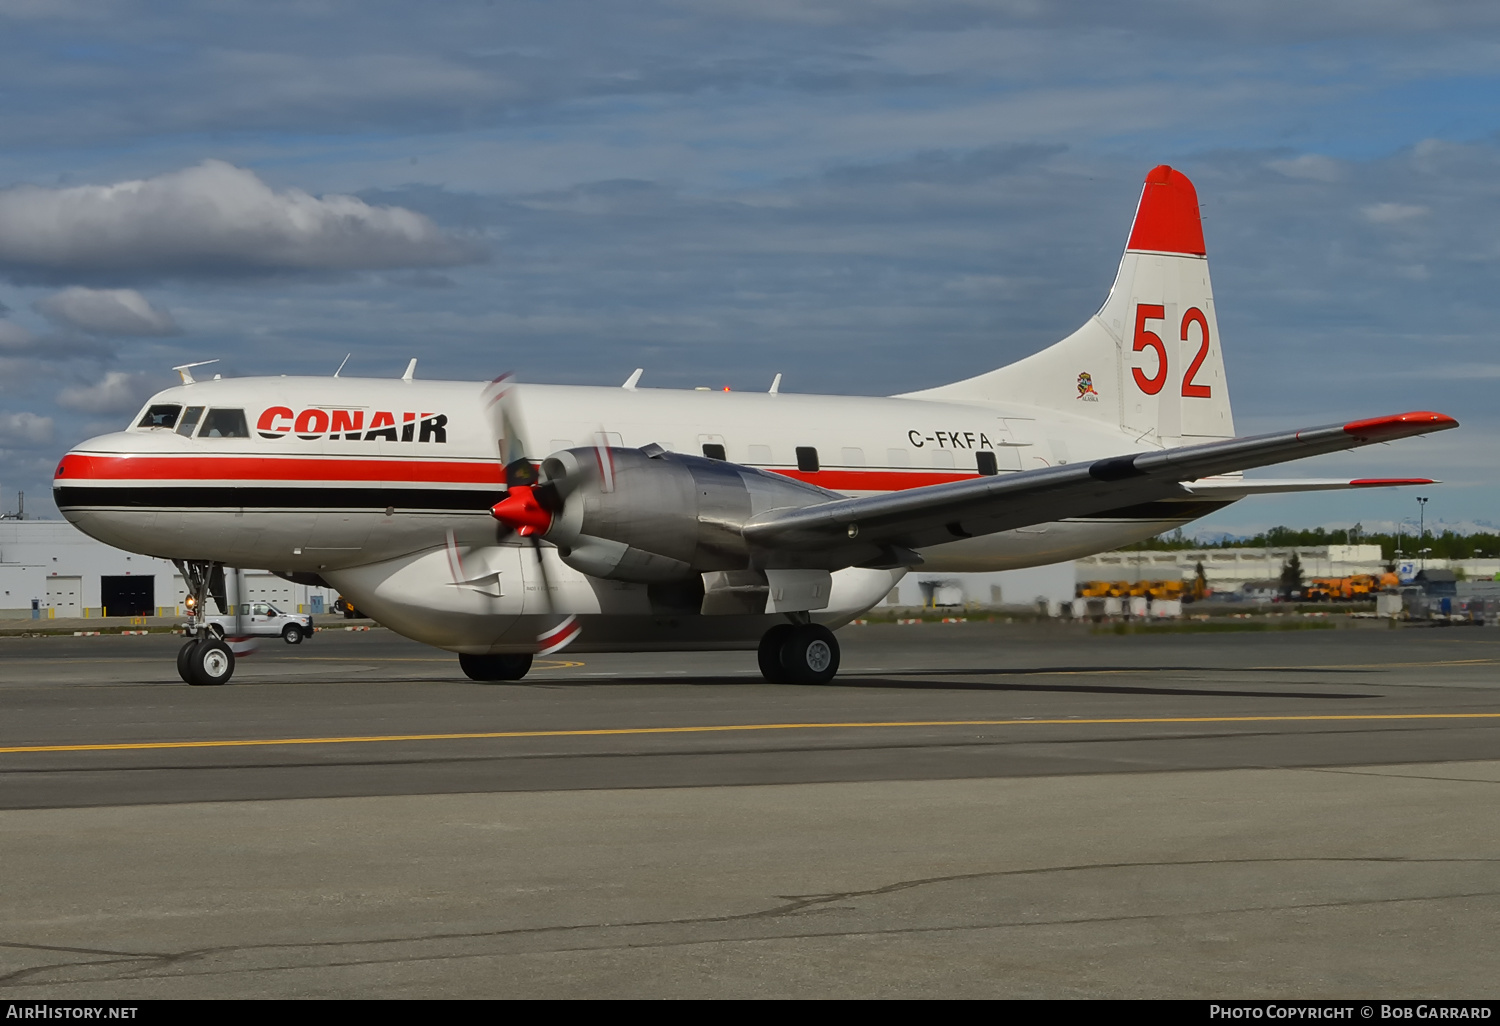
800, 653
204, 659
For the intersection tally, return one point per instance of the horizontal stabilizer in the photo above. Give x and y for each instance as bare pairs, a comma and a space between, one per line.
1231, 488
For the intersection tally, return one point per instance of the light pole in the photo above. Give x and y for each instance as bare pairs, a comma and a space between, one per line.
1400, 552
1422, 528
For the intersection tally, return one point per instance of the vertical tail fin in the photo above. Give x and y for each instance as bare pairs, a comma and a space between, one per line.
1149, 360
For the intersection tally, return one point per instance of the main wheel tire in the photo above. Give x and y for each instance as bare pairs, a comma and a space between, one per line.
810, 654
210, 663
184, 660
769, 654
292, 634
500, 666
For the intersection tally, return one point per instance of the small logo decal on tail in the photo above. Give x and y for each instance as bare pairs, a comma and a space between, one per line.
1086, 388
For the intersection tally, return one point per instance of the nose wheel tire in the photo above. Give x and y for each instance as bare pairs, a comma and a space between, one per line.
206, 663
184, 655
799, 654
500, 666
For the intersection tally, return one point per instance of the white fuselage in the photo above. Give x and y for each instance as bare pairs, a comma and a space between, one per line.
383, 488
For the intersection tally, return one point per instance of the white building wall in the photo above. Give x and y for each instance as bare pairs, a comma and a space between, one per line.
1052, 584
59, 566
1228, 568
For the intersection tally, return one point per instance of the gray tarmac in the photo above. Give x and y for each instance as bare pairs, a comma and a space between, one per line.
978, 809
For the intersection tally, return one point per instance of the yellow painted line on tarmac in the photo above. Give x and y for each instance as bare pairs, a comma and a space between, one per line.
540, 664
725, 728
1378, 666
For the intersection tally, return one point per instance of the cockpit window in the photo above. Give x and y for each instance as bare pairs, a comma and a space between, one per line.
225, 424
160, 416
189, 421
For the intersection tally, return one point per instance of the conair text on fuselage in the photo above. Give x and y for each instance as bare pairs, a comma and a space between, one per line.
351, 425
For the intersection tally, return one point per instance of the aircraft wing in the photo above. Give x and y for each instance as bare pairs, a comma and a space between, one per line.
881, 530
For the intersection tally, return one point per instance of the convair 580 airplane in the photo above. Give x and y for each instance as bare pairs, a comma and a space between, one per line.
660, 520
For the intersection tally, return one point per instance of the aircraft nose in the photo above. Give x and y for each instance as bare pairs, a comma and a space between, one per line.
93, 491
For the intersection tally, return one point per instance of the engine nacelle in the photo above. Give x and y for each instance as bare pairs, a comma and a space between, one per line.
649, 516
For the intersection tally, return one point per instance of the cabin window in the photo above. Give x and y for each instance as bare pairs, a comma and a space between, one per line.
852, 457
559, 444
225, 424
160, 416
189, 421
898, 457
987, 464
714, 451
942, 458
760, 455
807, 458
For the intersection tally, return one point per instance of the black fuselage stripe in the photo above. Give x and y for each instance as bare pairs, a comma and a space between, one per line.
319, 497
327, 498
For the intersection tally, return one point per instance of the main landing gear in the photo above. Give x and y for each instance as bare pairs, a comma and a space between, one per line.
490, 668
798, 653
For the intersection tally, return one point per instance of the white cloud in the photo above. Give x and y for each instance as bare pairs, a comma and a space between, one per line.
211, 219
25, 428
14, 338
117, 392
1311, 167
106, 312
1392, 213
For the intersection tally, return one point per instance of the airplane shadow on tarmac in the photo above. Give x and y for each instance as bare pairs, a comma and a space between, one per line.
1092, 689
950, 684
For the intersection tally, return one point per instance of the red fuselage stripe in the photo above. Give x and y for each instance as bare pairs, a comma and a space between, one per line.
77, 468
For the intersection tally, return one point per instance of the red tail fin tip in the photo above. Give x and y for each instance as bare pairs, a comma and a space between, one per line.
1167, 220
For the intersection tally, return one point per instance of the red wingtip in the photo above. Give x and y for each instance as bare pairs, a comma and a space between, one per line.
1167, 220
1400, 425
1388, 482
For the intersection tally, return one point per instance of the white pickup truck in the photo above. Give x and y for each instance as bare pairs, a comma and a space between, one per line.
258, 619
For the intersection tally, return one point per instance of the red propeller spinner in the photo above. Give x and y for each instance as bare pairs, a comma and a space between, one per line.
521, 512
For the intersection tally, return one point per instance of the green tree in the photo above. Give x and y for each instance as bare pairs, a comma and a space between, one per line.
1291, 577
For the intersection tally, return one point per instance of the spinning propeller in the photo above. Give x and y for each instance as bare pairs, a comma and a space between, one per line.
529, 505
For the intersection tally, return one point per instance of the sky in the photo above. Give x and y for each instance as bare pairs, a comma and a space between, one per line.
866, 197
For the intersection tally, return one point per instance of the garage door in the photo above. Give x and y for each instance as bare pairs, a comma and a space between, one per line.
269, 588
65, 596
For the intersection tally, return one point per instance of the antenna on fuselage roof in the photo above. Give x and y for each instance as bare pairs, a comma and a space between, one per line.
411, 369
635, 377
186, 370
341, 364
776, 384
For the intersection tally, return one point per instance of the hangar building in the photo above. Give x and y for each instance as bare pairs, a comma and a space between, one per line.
50, 569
